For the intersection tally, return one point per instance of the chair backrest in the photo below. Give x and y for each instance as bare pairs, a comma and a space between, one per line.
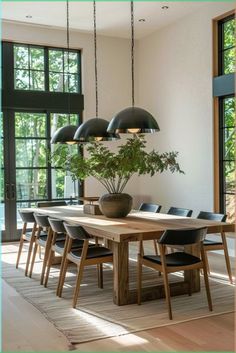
41, 220
177, 211
150, 207
27, 216
57, 225
76, 232
51, 203
211, 216
183, 236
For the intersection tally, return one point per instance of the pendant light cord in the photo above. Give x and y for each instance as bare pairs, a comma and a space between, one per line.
95, 55
132, 49
68, 48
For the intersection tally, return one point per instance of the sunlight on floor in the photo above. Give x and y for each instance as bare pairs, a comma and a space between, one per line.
129, 340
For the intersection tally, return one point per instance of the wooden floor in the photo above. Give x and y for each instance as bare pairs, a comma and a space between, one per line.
26, 330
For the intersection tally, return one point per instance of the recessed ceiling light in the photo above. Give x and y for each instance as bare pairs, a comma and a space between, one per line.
142, 20
28, 16
165, 7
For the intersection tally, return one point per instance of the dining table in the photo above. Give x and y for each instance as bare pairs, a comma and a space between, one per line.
118, 233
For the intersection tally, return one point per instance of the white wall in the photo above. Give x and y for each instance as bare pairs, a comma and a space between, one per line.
175, 84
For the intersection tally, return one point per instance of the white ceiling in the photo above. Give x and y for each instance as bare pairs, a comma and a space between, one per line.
113, 17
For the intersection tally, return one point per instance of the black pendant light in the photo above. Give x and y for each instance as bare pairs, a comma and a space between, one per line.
95, 129
133, 119
66, 133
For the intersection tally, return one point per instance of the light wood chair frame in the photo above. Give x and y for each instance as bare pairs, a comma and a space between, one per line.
31, 243
171, 269
81, 263
223, 247
46, 251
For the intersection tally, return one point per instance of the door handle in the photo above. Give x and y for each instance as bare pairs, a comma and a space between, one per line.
13, 191
7, 192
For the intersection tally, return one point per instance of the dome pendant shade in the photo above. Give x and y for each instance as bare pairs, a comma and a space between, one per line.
94, 130
133, 120
65, 134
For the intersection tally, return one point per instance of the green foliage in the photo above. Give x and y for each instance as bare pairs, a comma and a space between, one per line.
229, 46
114, 170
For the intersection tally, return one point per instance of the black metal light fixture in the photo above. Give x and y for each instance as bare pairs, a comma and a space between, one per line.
66, 133
133, 120
95, 129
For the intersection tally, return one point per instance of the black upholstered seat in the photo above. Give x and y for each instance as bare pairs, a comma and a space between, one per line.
93, 252
208, 242
175, 259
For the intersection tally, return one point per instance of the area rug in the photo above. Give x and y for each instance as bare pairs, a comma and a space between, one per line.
96, 316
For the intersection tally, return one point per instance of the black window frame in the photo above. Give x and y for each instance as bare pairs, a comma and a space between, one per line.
31, 101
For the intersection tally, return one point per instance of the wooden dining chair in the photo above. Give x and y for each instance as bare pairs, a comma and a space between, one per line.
27, 217
43, 239
177, 261
59, 246
151, 207
211, 245
86, 256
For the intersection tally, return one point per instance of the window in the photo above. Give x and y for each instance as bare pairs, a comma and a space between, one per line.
29, 68
63, 71
227, 155
41, 93
227, 46
224, 112
46, 69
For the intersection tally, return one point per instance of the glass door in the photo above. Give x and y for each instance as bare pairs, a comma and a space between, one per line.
27, 175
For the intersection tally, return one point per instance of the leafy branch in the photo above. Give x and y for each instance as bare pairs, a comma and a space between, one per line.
114, 170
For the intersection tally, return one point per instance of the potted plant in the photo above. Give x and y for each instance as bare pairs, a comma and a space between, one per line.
114, 170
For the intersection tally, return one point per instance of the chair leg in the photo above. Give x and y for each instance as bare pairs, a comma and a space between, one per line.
206, 279
33, 259
227, 259
77, 285
190, 283
62, 280
100, 275
139, 280
167, 293
40, 252
45, 260
155, 247
62, 265
19, 251
32, 240
49, 264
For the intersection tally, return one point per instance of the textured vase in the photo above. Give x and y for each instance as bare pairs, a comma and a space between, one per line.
115, 205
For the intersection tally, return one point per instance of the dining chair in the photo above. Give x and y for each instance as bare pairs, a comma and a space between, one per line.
27, 217
58, 246
211, 245
177, 211
51, 203
177, 261
86, 256
151, 207
43, 239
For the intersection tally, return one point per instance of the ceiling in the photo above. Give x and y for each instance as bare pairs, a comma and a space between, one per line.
113, 17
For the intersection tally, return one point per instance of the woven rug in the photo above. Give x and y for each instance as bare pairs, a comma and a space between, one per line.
96, 316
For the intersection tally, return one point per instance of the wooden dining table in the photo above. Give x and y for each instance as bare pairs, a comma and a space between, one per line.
119, 232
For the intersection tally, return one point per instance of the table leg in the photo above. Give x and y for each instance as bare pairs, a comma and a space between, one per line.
120, 273
193, 275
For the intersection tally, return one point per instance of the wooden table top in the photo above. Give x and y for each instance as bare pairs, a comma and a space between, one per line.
136, 226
